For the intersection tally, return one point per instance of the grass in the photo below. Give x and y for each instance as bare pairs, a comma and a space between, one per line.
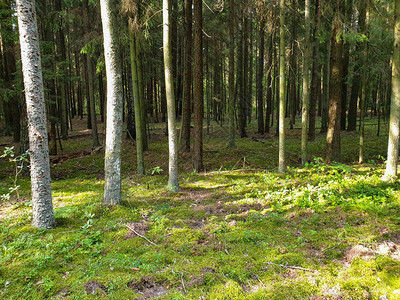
238, 230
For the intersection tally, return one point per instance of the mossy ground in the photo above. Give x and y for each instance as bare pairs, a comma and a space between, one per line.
230, 233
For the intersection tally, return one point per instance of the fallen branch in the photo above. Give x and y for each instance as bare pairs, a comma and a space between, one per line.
291, 267
138, 234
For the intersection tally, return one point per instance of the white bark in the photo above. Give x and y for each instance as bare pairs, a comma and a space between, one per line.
393, 147
42, 205
112, 188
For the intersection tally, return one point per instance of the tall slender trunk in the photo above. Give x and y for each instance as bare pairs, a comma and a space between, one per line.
170, 95
260, 76
335, 87
187, 77
143, 114
282, 82
393, 146
231, 102
137, 104
325, 96
355, 91
93, 118
198, 86
42, 206
112, 187
306, 83
315, 93
365, 3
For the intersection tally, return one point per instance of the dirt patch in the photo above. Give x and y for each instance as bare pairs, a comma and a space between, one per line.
358, 251
92, 287
387, 248
139, 227
390, 249
147, 288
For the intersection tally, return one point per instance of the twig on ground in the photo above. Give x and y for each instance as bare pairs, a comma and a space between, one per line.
258, 278
291, 267
138, 234
183, 284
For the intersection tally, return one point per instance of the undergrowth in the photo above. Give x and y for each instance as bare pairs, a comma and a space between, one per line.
238, 230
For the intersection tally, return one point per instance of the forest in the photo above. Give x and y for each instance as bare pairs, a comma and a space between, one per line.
199, 149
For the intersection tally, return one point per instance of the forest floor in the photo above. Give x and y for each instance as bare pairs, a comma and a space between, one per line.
238, 230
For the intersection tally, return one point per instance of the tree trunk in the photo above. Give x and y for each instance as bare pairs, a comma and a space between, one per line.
365, 4
93, 118
187, 77
231, 102
306, 83
143, 114
315, 93
170, 94
393, 146
335, 88
112, 187
352, 116
282, 82
260, 76
137, 104
198, 86
42, 206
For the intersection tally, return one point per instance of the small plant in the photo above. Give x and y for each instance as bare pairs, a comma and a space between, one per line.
18, 164
156, 170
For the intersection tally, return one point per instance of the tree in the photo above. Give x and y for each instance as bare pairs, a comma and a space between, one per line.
170, 94
260, 75
306, 83
335, 86
187, 78
365, 4
393, 146
42, 206
282, 83
198, 86
137, 103
112, 188
231, 101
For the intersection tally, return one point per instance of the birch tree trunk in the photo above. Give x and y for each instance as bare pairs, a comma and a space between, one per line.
393, 147
112, 187
169, 89
42, 206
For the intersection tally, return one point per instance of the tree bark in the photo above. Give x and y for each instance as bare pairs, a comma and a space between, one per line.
137, 104
365, 4
306, 83
231, 101
260, 76
187, 78
393, 146
170, 94
198, 86
42, 206
112, 187
282, 83
335, 88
